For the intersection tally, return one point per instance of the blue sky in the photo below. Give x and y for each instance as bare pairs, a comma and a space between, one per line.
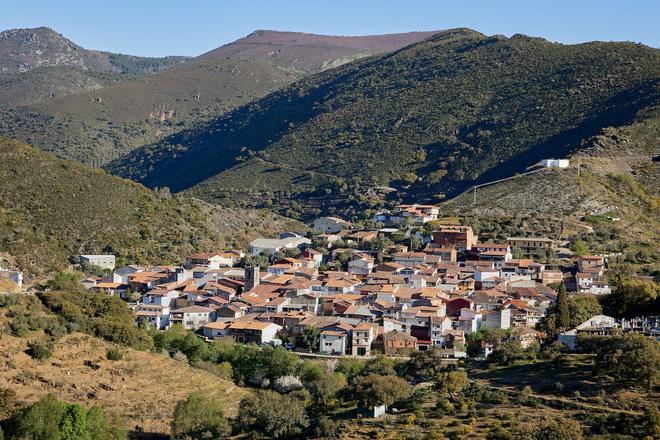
191, 27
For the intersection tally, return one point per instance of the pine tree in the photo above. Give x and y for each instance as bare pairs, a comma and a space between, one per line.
563, 314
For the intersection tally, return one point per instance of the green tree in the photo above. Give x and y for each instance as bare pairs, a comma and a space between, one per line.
199, 416
452, 382
276, 415
633, 297
375, 390
73, 425
309, 338
326, 387
40, 421
559, 429
563, 309
579, 248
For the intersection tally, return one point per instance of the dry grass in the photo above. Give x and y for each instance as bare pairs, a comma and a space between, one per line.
142, 388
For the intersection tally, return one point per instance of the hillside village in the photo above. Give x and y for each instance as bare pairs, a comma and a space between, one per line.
342, 291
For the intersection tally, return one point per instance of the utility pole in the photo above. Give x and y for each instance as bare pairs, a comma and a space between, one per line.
474, 198
579, 160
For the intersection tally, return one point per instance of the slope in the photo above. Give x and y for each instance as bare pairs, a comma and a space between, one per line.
143, 388
22, 50
312, 53
105, 123
428, 120
613, 205
51, 209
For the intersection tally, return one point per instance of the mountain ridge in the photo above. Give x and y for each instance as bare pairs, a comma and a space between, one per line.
428, 119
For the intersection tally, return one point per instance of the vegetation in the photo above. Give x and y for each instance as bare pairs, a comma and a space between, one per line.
51, 419
198, 417
364, 120
52, 209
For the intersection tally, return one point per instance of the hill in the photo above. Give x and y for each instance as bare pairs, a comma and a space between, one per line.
428, 120
22, 50
142, 387
613, 205
51, 209
83, 105
312, 53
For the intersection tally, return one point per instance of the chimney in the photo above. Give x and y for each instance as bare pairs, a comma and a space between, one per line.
251, 278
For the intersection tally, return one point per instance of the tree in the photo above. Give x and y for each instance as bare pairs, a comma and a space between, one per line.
38, 421
633, 297
579, 248
73, 425
375, 390
199, 416
310, 337
452, 382
563, 310
326, 387
276, 415
559, 429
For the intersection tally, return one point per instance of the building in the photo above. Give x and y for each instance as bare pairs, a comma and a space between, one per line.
212, 260
257, 332
102, 261
363, 336
14, 275
217, 330
272, 246
330, 225
460, 237
533, 246
596, 325
396, 343
193, 317
555, 163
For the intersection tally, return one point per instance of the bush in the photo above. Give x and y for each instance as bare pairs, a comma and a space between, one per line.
40, 350
199, 417
276, 415
113, 354
286, 384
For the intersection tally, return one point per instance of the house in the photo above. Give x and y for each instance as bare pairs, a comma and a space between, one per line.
334, 339
330, 225
361, 264
439, 328
217, 330
271, 246
363, 337
596, 325
212, 260
414, 214
101, 261
587, 263
16, 276
584, 282
533, 246
410, 259
396, 343
151, 315
193, 317
496, 319
551, 277
254, 332
555, 163
460, 237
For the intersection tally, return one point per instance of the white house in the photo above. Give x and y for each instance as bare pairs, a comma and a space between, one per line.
192, 317
274, 245
102, 261
555, 163
330, 225
333, 341
598, 324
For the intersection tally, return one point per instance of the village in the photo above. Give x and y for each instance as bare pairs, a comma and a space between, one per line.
341, 291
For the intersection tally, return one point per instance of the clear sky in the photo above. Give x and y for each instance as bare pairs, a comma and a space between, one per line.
192, 27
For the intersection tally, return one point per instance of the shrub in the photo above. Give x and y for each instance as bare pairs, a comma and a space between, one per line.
286, 384
40, 350
199, 417
114, 354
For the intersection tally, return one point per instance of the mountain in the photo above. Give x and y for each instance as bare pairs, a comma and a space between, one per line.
417, 124
613, 204
22, 50
83, 105
312, 53
51, 209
